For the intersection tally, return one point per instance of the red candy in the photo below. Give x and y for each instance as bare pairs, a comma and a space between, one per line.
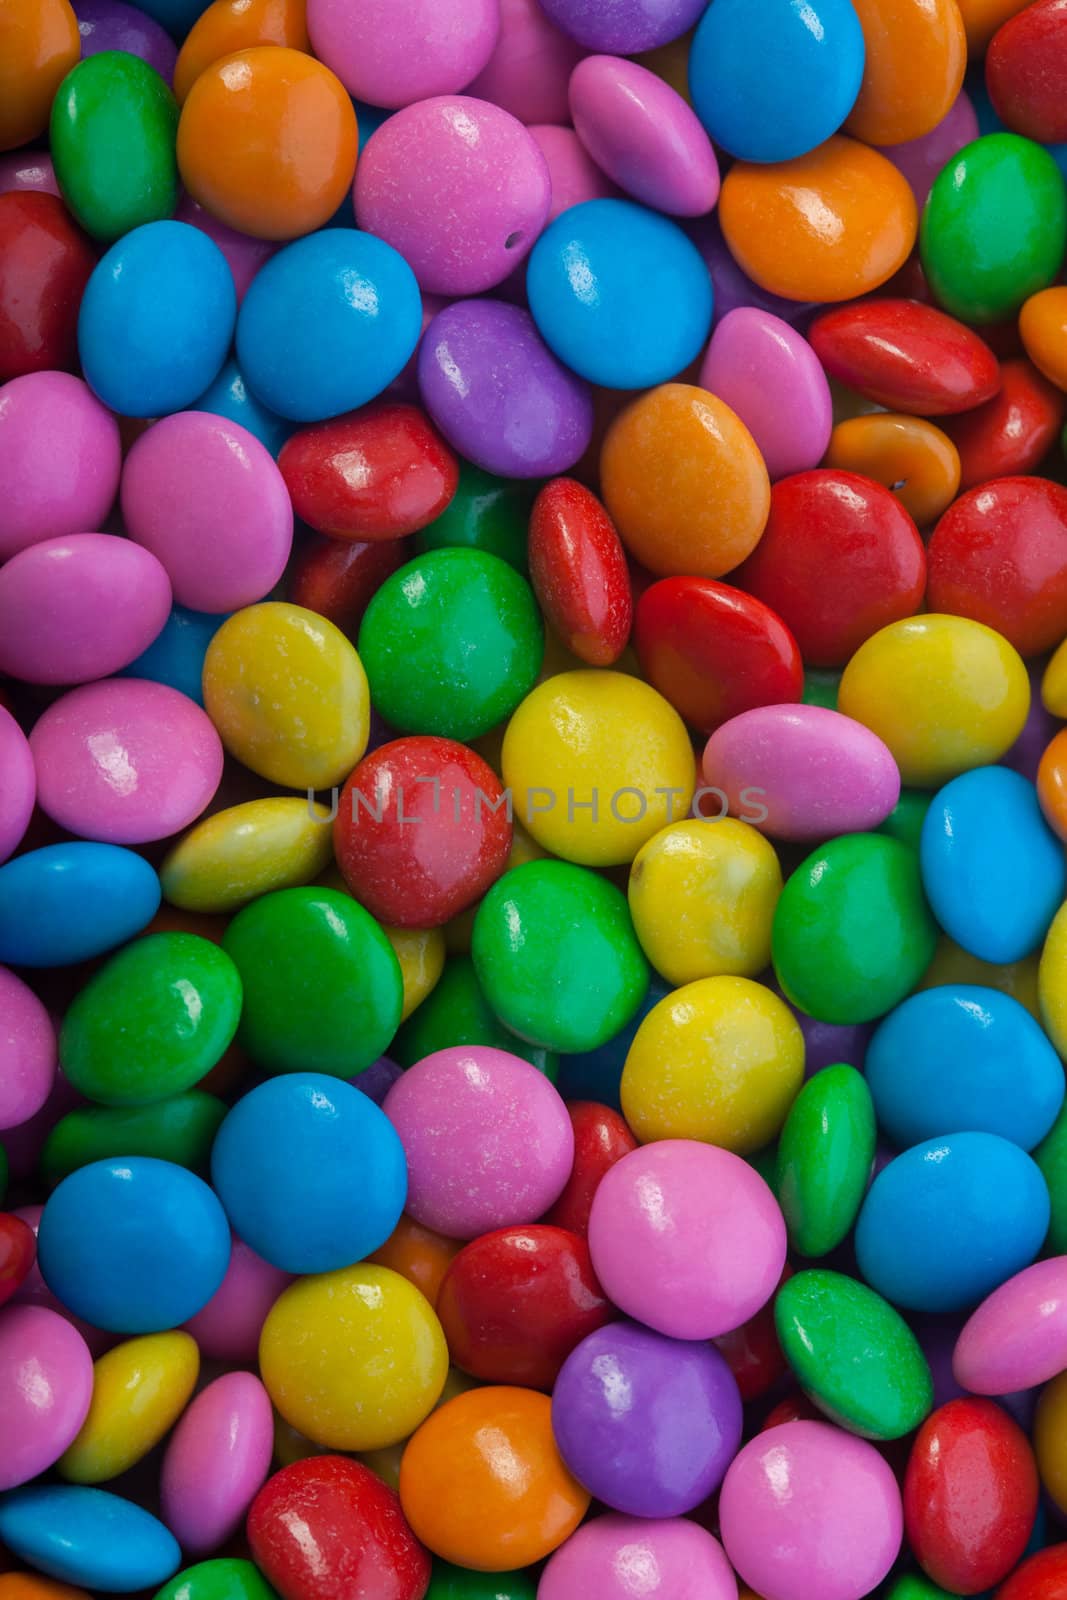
713, 651
329, 1529
18, 1251
378, 473
1042, 1577
339, 578
755, 1357
999, 555
1014, 431
601, 1138
970, 1495
794, 1408
422, 831
579, 573
906, 356
514, 1303
45, 262
839, 559
1026, 72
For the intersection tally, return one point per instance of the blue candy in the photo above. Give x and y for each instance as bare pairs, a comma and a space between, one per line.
133, 1245
176, 655
950, 1220
327, 324
88, 1536
156, 319
771, 79
993, 870
229, 396
70, 902
619, 294
963, 1057
311, 1173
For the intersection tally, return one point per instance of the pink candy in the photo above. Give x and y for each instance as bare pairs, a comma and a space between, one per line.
228, 1327
771, 377
46, 1383
394, 52
1017, 1338
60, 459
623, 1558
217, 1460
575, 175
528, 70
27, 1051
920, 160
18, 784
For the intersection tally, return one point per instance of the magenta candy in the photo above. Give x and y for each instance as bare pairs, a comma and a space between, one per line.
920, 160
27, 1051
770, 376
111, 25
28, 169
216, 1462
643, 135
808, 1510
820, 772
207, 498
79, 608
487, 1138
125, 761
228, 1327
46, 1383
624, 27
528, 70
244, 255
621, 1558
33, 1291
444, 159
575, 175
1017, 1338
499, 395
60, 459
686, 1238
394, 52
18, 783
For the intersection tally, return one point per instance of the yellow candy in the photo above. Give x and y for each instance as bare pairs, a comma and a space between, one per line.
458, 931
1054, 683
1050, 1440
1052, 981
288, 695
386, 1463
702, 897
721, 1060
953, 965
597, 762
945, 694
421, 953
354, 1359
245, 851
140, 1389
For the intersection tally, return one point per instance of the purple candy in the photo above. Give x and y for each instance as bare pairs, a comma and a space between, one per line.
920, 160
499, 395
28, 169
732, 287
377, 1079
111, 25
244, 255
827, 1043
623, 27
1039, 729
648, 1424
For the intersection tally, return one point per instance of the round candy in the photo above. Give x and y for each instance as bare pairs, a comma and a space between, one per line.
133, 1245
528, 69
157, 319
917, 462
140, 1389
393, 55
18, 784
1011, 433
229, 396
1017, 1338
1041, 1577
944, 693
27, 1052
225, 1579
227, 26
574, 174
482, 1482
232, 857
906, 356
487, 1139
666, 1448
39, 503
578, 572
417, 1254
337, 578
40, 1417
113, 25
125, 761
355, 1359
824, 1159
625, 27
28, 169
753, 356
486, 513
176, 655
921, 159
88, 1536
18, 1252
228, 1327
288, 694
181, 1129
588, 277
1041, 323
456, 1010
206, 498
45, 262
86, 899
915, 60
686, 1238
327, 324
1028, 97
40, 45
675, 1558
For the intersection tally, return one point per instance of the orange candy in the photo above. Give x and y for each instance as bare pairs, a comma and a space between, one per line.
418, 1254
684, 482
483, 1484
982, 18
39, 43
829, 225
918, 462
916, 58
267, 142
1052, 784
1043, 331
29, 1586
230, 25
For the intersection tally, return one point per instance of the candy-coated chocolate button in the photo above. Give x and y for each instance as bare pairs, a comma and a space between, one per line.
140, 1389
1043, 330
41, 43
824, 1159
913, 459
772, 378
245, 851
1026, 72
579, 573
223, 1579
906, 356
915, 60
227, 26
45, 262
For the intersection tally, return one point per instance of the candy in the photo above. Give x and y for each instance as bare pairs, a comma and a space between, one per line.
238, 854
227, 26
88, 1536
181, 1129
1048, 1417
225, 1579
45, 262
770, 377
528, 68
87, 898
228, 1327
457, 1010
485, 513
113, 25
216, 1461
39, 502
674, 1557
914, 460
824, 1159
396, 55
921, 159
1040, 1578
1010, 433
18, 1251
906, 356
27, 1052
1028, 101
1016, 1338
140, 1388
40, 45
915, 60
578, 572
42, 1417
18, 783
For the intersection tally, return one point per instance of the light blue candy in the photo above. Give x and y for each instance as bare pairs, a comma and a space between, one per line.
311, 1173
963, 1057
70, 902
771, 79
950, 1220
619, 293
176, 655
993, 870
229, 396
327, 324
88, 1537
133, 1245
156, 319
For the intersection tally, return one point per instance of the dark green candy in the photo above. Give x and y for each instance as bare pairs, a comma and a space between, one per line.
1051, 1157
820, 688
915, 1587
225, 1579
458, 1583
181, 1129
485, 513
457, 1012
825, 1153
905, 821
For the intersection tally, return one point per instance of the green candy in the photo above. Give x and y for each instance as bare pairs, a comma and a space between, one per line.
853, 1354
852, 931
457, 1012
820, 688
1051, 1157
994, 227
458, 1583
905, 821
914, 1587
152, 1021
225, 1579
181, 1129
556, 954
765, 1162
485, 513
323, 990
114, 127
451, 643
825, 1153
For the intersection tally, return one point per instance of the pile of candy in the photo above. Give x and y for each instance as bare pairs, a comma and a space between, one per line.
533, 789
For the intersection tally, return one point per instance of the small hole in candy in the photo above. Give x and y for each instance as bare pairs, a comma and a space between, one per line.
513, 239
893, 487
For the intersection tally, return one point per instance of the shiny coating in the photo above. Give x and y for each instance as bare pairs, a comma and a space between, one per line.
1049, 1418
918, 462
227, 26
916, 56
824, 1159
676, 1558
245, 851
579, 573
88, 1536
1042, 325
1017, 1339
87, 898
1026, 71
46, 1383
906, 356
45, 262
140, 1389
41, 43
601, 1138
